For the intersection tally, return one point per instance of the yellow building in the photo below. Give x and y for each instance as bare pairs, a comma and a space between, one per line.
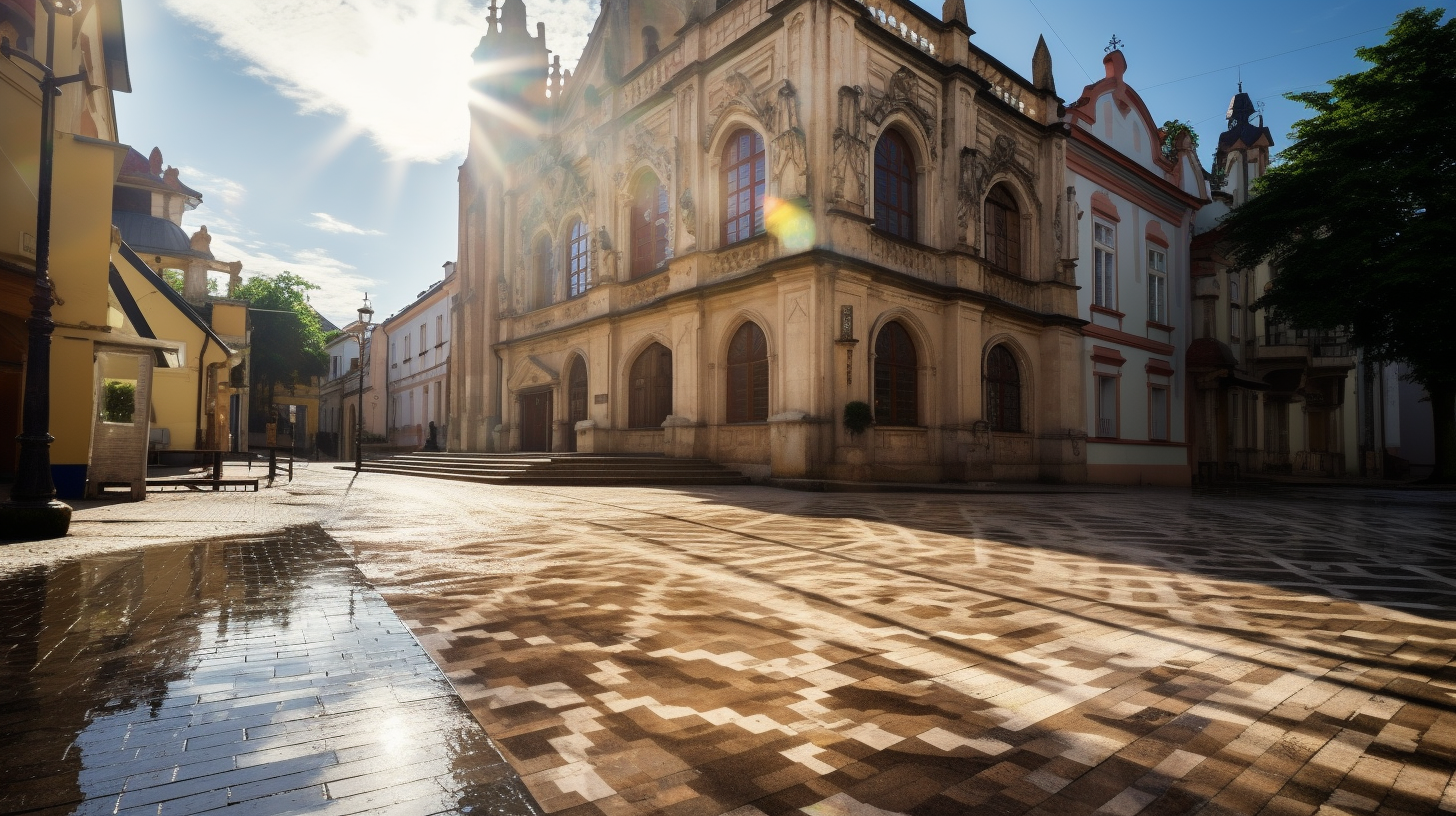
126, 355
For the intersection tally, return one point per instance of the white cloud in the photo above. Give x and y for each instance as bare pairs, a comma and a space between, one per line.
341, 286
394, 69
230, 192
328, 223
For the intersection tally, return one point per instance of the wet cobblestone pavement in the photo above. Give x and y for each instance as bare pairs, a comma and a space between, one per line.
260, 675
750, 651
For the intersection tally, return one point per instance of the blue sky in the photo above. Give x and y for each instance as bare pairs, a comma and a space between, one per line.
325, 134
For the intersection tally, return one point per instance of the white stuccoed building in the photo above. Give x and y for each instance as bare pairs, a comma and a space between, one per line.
417, 340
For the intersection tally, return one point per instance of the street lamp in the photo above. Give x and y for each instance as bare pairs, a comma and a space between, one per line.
366, 314
33, 512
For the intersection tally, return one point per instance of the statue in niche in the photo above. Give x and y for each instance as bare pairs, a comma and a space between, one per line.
1072, 244
791, 160
851, 153
688, 212
608, 257
966, 197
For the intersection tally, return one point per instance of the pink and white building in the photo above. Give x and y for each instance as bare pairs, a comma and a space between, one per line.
1136, 193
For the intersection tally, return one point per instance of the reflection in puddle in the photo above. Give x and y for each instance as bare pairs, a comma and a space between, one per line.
251, 670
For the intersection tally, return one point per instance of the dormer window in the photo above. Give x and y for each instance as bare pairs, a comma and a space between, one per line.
649, 43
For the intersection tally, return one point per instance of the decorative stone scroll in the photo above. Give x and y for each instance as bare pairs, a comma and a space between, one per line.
741, 95
902, 94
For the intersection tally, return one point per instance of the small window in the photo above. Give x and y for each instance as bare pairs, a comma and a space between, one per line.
649, 225
1158, 286
894, 186
424, 344
748, 375
439, 330
896, 370
649, 43
1106, 390
1104, 264
1158, 413
1003, 391
1236, 310
579, 267
744, 176
1003, 230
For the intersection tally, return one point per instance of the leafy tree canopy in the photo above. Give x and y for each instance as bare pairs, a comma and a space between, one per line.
287, 338
1358, 218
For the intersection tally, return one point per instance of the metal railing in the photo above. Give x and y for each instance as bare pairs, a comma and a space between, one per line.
1320, 343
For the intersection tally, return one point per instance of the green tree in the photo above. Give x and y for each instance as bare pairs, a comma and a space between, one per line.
1358, 218
287, 337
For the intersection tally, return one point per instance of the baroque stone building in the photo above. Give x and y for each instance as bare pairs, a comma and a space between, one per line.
735, 220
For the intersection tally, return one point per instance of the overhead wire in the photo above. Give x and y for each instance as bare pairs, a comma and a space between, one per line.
1070, 52
1260, 59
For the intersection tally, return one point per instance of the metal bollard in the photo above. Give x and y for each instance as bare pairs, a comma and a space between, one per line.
216, 471
272, 465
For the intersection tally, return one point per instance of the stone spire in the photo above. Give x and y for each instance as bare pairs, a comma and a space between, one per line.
1041, 67
954, 11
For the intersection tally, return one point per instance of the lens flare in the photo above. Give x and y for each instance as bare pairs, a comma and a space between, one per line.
790, 222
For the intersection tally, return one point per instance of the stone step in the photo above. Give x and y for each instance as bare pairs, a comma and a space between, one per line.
558, 468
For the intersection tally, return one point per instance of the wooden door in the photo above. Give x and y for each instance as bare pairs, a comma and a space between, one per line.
536, 421
576, 391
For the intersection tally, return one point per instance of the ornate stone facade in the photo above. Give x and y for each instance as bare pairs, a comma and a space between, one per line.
760, 126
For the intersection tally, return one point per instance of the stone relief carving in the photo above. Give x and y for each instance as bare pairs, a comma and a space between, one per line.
688, 212
851, 152
643, 146
791, 159
902, 93
741, 94
976, 171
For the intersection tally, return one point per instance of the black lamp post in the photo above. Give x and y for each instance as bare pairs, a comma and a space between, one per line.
366, 314
33, 512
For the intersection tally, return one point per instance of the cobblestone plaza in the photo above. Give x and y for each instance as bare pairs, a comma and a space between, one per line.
733, 650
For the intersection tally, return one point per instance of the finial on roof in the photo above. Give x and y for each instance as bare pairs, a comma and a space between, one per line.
1041, 67
154, 161
1113, 44
954, 11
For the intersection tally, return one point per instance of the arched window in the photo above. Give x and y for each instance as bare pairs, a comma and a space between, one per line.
579, 266
650, 387
649, 43
1003, 230
896, 396
743, 186
649, 225
748, 375
894, 186
576, 392
1003, 390
545, 284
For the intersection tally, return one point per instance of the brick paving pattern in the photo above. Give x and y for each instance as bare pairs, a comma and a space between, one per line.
750, 651
258, 675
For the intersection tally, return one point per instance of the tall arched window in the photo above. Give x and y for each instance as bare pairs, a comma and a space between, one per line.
650, 388
748, 375
894, 186
743, 186
1003, 230
578, 268
649, 225
1003, 390
545, 284
897, 399
576, 393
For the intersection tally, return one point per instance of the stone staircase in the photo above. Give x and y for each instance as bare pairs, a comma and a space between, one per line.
603, 470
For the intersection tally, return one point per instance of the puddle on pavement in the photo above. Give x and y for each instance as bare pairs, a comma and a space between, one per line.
261, 671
